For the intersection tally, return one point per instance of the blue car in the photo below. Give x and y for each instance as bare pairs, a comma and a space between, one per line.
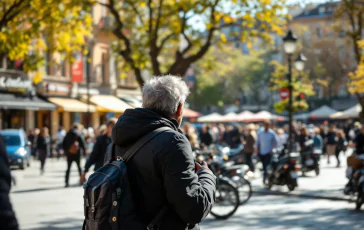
18, 147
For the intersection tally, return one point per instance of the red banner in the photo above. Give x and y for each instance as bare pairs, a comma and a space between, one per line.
77, 69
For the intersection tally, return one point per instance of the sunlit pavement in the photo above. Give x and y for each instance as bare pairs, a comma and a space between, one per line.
42, 203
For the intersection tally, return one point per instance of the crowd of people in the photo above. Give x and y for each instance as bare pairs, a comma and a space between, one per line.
332, 139
72, 145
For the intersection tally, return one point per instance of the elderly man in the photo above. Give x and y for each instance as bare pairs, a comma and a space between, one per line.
163, 171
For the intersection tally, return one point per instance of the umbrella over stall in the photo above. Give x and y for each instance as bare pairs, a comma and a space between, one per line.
323, 112
213, 117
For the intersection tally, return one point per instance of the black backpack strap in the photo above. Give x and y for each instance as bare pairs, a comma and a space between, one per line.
140, 143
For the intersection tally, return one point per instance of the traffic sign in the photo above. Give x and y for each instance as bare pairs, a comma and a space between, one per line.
284, 93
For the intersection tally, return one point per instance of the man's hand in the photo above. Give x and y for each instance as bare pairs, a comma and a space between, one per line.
83, 178
198, 167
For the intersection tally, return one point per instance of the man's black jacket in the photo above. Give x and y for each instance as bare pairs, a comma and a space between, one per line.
7, 216
98, 153
163, 171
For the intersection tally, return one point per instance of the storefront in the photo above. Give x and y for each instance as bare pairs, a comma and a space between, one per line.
131, 96
108, 106
18, 101
69, 110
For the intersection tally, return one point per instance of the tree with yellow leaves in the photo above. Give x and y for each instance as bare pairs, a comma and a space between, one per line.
31, 28
167, 36
352, 13
300, 84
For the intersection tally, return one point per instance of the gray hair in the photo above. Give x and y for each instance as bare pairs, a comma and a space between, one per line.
165, 93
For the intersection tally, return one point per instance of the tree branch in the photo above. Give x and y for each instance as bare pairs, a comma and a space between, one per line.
183, 28
206, 46
118, 32
136, 11
6, 18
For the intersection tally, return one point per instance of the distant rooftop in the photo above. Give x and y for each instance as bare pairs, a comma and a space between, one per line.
320, 11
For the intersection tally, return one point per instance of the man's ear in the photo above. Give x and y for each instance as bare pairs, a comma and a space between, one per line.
179, 112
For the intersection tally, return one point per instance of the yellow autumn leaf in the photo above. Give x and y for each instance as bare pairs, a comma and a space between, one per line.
142, 4
223, 38
227, 19
38, 78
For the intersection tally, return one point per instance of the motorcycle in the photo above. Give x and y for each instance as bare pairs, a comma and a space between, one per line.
232, 167
283, 170
355, 174
227, 198
311, 161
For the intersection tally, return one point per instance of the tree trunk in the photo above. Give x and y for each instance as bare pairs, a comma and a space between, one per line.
139, 78
361, 114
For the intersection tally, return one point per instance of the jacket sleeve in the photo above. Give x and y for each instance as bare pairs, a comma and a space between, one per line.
96, 152
7, 216
191, 195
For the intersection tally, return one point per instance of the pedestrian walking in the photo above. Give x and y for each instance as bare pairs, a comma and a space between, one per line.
191, 135
318, 143
7, 216
331, 143
73, 144
97, 155
267, 140
44, 147
59, 138
206, 137
340, 145
163, 172
249, 146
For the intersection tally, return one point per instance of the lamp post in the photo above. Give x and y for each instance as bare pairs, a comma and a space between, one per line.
289, 45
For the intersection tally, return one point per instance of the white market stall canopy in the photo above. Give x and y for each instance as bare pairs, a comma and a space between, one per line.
322, 112
245, 115
265, 115
352, 112
230, 117
302, 116
213, 117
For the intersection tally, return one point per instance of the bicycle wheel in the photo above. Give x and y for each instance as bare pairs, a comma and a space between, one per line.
245, 190
227, 200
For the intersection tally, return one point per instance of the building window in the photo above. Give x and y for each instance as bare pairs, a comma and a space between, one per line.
103, 9
322, 10
63, 68
318, 33
342, 53
308, 35
342, 91
103, 67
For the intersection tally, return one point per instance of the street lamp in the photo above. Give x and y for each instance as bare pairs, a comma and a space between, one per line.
290, 45
299, 63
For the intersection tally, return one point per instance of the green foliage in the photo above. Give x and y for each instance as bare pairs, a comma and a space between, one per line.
150, 33
300, 84
223, 74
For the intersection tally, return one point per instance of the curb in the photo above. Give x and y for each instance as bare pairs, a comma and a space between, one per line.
277, 193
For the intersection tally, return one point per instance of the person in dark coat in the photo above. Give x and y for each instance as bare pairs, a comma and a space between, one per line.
43, 147
73, 144
206, 137
163, 171
7, 216
98, 153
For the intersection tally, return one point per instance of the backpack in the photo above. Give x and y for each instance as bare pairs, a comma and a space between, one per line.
108, 202
75, 146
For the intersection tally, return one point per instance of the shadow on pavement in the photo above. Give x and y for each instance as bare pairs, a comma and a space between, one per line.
61, 224
320, 218
45, 189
